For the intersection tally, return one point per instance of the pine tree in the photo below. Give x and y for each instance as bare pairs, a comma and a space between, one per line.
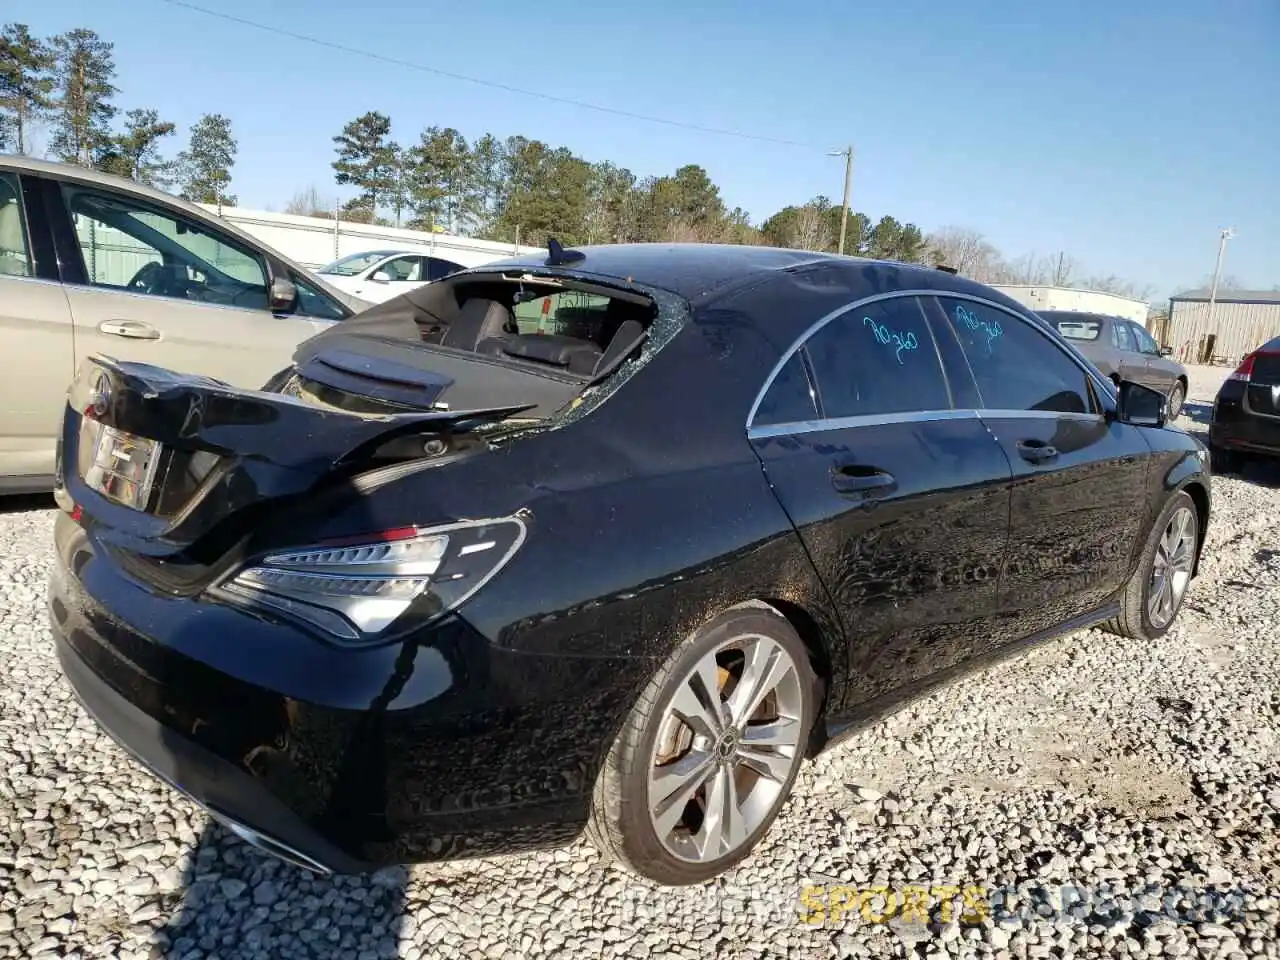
85, 69
136, 152
26, 84
366, 160
204, 168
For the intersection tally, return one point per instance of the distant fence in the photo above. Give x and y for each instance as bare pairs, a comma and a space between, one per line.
1237, 329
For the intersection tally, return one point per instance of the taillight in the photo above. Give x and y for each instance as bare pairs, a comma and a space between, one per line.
361, 589
1245, 371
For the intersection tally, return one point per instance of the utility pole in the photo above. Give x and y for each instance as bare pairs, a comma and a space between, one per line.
847, 153
1225, 234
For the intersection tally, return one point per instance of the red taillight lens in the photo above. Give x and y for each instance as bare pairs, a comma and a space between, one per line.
1245, 371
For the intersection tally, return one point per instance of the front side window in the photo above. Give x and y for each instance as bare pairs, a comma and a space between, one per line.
315, 304
1146, 344
789, 398
403, 268
139, 248
1122, 338
1014, 365
876, 359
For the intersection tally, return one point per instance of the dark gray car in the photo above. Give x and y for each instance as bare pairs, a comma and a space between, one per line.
1122, 349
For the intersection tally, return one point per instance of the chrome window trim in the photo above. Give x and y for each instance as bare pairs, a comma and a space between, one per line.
845, 423
910, 416
914, 416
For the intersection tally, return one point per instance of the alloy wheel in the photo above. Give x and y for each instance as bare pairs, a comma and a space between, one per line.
1171, 568
727, 744
1175, 401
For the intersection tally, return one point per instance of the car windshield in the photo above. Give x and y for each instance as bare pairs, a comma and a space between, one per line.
349, 266
1080, 329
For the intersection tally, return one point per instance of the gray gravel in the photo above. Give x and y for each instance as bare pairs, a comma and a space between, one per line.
1142, 778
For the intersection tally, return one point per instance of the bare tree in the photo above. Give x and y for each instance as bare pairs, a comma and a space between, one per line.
812, 228
308, 203
966, 250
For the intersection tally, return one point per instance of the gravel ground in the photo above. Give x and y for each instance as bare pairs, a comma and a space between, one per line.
1105, 796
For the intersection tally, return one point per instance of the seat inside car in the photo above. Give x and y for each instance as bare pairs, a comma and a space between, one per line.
478, 320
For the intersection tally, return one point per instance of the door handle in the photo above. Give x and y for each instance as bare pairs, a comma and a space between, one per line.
865, 482
1037, 451
129, 329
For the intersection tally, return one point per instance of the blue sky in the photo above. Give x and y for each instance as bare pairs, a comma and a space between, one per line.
1120, 131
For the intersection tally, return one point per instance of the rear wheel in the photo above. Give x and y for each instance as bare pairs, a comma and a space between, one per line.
1154, 594
710, 752
1176, 397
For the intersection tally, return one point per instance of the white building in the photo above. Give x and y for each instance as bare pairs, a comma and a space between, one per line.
1040, 297
316, 241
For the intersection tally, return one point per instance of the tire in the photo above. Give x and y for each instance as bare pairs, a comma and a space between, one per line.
1177, 394
1136, 617
1222, 460
627, 804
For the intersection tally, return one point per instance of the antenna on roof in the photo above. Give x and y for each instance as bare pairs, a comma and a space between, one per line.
945, 269
560, 256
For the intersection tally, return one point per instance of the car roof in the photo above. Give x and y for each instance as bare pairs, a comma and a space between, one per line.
699, 272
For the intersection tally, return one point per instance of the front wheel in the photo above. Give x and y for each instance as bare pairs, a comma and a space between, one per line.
1154, 594
710, 751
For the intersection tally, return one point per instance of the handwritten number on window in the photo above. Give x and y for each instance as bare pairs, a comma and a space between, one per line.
900, 342
967, 319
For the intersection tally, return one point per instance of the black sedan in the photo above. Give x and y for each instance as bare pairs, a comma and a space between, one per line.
452, 587
1246, 413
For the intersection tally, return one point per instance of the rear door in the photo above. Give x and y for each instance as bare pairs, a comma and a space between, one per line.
37, 353
1078, 492
154, 285
1132, 363
897, 489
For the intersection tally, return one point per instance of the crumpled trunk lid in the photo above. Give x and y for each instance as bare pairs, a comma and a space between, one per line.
229, 458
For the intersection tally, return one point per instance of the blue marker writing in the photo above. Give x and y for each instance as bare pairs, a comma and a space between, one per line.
883, 335
991, 328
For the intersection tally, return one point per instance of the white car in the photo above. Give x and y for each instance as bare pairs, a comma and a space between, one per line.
380, 275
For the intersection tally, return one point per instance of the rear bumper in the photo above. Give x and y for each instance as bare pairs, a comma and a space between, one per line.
1232, 427
437, 747
225, 792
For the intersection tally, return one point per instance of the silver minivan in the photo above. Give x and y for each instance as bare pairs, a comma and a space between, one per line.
95, 264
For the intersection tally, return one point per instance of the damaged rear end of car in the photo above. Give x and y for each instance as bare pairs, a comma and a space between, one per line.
236, 607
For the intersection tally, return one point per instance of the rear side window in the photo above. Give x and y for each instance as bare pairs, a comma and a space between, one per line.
14, 258
1122, 338
789, 398
878, 358
1014, 365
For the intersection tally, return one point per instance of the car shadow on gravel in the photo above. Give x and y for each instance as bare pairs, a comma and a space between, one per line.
236, 901
1197, 411
24, 502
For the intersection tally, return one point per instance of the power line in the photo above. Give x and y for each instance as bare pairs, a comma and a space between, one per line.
493, 84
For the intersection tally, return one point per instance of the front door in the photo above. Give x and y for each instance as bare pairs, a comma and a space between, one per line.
1132, 361
901, 498
1161, 373
164, 288
1078, 493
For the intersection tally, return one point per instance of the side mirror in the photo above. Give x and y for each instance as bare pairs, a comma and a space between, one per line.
283, 297
1166, 351
381, 277
1141, 406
